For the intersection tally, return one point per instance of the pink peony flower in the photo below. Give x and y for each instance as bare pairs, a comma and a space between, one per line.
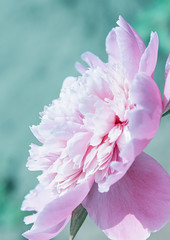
92, 141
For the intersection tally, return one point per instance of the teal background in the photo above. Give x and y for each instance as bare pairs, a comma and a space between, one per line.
40, 40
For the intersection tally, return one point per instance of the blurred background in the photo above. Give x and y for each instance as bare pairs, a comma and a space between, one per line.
40, 40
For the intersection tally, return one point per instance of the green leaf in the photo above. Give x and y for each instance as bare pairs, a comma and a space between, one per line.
166, 113
78, 216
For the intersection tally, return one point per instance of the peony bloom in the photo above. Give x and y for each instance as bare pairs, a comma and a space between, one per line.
92, 140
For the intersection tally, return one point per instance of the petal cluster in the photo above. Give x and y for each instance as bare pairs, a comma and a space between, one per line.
92, 138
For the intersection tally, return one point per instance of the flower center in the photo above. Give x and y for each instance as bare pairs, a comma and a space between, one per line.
94, 119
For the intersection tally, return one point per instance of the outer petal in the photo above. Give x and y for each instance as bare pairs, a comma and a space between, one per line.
144, 120
122, 23
92, 60
80, 68
37, 199
55, 214
112, 47
130, 49
47, 233
149, 57
135, 205
166, 95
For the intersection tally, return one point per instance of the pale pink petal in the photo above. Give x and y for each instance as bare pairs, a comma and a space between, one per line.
77, 146
129, 49
122, 23
35, 130
37, 199
80, 68
37, 160
66, 130
60, 208
144, 119
30, 219
166, 95
56, 212
68, 82
47, 233
92, 60
112, 47
167, 67
149, 57
134, 206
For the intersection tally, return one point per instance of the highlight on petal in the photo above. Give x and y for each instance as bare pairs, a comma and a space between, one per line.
136, 205
149, 57
166, 94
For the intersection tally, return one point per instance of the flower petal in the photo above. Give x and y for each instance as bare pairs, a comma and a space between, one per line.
54, 215
122, 23
144, 119
68, 82
92, 60
47, 234
149, 57
136, 204
130, 49
112, 47
37, 199
80, 68
77, 146
166, 94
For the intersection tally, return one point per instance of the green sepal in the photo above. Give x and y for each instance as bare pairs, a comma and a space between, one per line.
78, 216
166, 113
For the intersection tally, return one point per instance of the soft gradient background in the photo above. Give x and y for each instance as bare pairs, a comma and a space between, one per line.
40, 40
